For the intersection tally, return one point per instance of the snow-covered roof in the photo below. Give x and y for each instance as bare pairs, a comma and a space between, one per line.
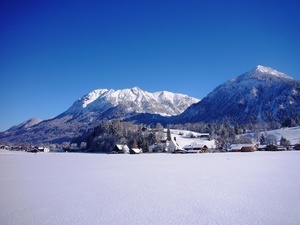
136, 150
240, 146
193, 146
183, 139
122, 147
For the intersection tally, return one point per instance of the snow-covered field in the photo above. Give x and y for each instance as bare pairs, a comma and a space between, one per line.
213, 188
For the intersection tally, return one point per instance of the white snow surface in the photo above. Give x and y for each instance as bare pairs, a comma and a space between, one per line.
292, 134
213, 188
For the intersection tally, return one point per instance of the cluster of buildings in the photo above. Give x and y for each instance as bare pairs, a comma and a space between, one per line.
181, 141
34, 149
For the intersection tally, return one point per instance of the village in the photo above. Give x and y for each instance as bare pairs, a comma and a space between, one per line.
186, 142
172, 141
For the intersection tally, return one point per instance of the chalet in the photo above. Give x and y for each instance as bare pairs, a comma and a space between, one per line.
121, 149
196, 148
135, 151
275, 148
250, 148
242, 148
297, 147
261, 147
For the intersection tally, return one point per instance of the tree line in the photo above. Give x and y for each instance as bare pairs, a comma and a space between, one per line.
104, 137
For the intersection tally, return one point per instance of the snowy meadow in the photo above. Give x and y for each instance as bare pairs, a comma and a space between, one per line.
213, 188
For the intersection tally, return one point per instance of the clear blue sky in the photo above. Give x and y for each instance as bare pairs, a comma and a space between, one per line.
54, 52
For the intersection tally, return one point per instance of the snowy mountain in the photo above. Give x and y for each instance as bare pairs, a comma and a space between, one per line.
101, 104
104, 103
261, 95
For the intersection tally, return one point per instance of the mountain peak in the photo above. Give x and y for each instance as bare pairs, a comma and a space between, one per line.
135, 90
264, 70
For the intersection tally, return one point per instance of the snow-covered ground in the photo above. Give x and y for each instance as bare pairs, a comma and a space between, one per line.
292, 134
213, 188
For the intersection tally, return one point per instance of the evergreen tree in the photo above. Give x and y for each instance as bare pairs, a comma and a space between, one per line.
284, 142
169, 135
262, 140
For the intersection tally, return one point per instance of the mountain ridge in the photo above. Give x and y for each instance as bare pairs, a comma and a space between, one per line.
100, 104
262, 95
145, 102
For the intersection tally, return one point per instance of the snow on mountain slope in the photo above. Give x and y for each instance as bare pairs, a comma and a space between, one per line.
261, 95
92, 96
138, 101
26, 125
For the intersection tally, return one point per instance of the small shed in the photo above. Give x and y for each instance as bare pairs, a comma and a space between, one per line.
135, 151
121, 149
